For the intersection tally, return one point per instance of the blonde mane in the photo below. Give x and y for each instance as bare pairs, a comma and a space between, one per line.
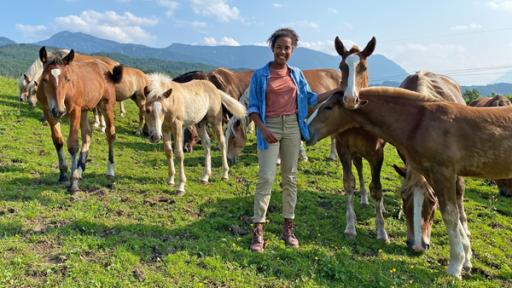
158, 84
244, 121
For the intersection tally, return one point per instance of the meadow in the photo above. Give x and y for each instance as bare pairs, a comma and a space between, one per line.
140, 234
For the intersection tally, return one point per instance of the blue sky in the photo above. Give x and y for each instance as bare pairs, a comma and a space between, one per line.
470, 40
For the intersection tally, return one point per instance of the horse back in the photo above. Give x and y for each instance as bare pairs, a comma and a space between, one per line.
434, 85
322, 80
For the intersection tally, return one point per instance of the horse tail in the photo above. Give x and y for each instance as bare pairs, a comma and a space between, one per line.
117, 74
233, 106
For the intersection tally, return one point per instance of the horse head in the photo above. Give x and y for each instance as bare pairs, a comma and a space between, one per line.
354, 70
56, 81
154, 111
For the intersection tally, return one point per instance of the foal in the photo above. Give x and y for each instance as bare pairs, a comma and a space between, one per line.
438, 140
170, 106
354, 144
72, 88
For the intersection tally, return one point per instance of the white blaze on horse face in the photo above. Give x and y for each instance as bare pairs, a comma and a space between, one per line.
351, 92
56, 73
157, 112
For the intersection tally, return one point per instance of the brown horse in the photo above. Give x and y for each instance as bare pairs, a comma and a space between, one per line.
320, 80
354, 144
170, 106
72, 88
504, 185
419, 201
438, 140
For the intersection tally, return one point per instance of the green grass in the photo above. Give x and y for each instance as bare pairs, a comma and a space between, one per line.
140, 234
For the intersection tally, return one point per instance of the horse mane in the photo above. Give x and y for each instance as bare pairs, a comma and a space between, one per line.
158, 84
412, 181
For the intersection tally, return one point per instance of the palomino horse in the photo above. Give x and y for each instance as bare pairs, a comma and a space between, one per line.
504, 185
170, 106
354, 144
72, 88
438, 140
419, 201
231, 82
320, 80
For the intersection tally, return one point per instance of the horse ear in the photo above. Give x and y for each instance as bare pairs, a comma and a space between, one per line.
43, 56
370, 47
340, 48
69, 58
167, 93
25, 77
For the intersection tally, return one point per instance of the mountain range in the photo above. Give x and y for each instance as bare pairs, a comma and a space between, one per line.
179, 58
235, 57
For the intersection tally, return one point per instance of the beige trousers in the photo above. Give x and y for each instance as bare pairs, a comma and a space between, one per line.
286, 130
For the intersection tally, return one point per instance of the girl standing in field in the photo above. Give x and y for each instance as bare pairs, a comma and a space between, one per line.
279, 97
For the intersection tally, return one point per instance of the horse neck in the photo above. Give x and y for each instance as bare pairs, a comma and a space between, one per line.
384, 117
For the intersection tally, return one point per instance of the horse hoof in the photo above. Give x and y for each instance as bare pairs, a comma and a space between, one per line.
180, 192
204, 181
364, 205
383, 236
350, 236
418, 248
63, 178
73, 189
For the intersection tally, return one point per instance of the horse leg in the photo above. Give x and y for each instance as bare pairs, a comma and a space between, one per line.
74, 123
122, 111
178, 149
376, 192
58, 142
333, 155
169, 153
443, 182
86, 142
110, 132
358, 162
302, 152
223, 150
460, 204
140, 104
349, 186
206, 143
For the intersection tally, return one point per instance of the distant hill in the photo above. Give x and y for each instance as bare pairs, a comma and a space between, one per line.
5, 41
16, 58
248, 56
505, 78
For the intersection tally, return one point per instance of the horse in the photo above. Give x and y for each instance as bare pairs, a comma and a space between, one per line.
498, 100
320, 80
418, 199
438, 141
170, 106
504, 185
131, 87
355, 144
72, 88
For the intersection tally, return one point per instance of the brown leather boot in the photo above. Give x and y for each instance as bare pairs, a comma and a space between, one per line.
257, 244
288, 236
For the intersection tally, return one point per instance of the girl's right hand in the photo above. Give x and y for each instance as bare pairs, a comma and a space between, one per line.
268, 135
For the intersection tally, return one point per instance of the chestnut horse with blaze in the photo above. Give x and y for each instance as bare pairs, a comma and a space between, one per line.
438, 141
72, 88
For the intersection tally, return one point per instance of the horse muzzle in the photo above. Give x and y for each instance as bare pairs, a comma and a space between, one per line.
56, 113
155, 138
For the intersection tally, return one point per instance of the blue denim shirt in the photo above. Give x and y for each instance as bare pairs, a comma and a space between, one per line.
257, 99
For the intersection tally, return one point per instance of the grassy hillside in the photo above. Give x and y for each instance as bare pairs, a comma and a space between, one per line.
140, 234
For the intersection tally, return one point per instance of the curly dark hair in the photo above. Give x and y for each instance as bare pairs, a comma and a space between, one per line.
283, 32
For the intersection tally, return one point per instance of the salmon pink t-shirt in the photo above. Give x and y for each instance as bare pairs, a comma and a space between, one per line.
281, 93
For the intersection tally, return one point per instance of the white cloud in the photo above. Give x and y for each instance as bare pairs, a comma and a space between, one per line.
31, 29
303, 23
216, 8
278, 5
502, 5
169, 5
333, 10
124, 28
472, 26
228, 41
